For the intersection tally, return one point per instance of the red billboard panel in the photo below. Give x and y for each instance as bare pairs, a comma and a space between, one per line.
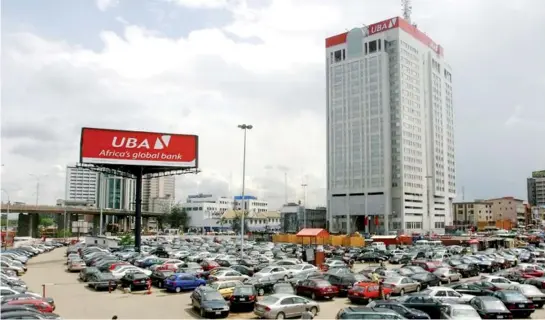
120, 147
383, 26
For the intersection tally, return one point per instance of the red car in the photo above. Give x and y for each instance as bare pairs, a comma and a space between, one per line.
362, 292
532, 271
168, 267
113, 265
208, 265
39, 305
426, 265
317, 288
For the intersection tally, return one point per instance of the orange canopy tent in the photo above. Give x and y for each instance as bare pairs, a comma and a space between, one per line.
313, 234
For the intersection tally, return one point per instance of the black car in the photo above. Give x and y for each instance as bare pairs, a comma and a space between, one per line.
490, 308
159, 252
262, 285
135, 281
298, 278
344, 281
516, 302
86, 272
407, 313
372, 257
102, 281
243, 269
244, 297
424, 303
472, 289
467, 270
426, 279
158, 277
209, 302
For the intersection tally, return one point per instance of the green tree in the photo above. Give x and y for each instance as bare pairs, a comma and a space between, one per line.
46, 222
61, 233
237, 220
127, 240
178, 218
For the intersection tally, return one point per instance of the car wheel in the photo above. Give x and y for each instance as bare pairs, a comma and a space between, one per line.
313, 296
178, 289
280, 315
417, 288
402, 292
314, 311
448, 280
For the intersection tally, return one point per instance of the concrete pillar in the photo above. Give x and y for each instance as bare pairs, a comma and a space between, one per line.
59, 220
145, 223
96, 225
23, 224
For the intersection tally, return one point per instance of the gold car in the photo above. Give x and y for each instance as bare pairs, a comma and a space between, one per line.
226, 288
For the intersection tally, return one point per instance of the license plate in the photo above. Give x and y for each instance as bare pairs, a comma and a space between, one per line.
242, 299
218, 312
327, 297
521, 306
500, 317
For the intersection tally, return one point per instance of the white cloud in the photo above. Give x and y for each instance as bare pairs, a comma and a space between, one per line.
104, 5
206, 83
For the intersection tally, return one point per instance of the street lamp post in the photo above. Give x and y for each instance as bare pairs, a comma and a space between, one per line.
38, 177
304, 185
244, 127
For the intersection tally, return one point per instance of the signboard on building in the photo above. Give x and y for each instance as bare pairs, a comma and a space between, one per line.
200, 195
121, 147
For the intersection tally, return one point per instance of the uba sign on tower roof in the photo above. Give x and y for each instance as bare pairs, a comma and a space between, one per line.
120, 147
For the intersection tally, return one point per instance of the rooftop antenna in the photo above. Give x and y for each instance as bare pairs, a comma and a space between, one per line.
407, 10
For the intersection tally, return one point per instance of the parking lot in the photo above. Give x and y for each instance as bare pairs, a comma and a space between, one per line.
75, 301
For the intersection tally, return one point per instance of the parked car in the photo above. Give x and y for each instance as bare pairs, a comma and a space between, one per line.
158, 277
459, 311
447, 275
426, 279
367, 313
402, 285
102, 281
407, 313
489, 307
516, 302
280, 306
363, 292
317, 288
243, 297
532, 293
208, 302
85, 273
183, 281
226, 288
135, 281
471, 289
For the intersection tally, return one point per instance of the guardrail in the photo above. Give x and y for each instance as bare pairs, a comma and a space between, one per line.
19, 208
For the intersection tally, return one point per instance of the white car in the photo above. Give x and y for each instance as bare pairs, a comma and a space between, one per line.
500, 282
335, 264
447, 294
275, 272
121, 270
301, 269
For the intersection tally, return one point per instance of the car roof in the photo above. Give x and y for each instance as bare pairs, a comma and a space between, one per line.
369, 309
283, 295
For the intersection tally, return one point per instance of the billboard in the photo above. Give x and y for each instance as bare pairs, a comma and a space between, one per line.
121, 147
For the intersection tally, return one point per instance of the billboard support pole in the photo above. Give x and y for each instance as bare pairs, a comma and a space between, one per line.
138, 211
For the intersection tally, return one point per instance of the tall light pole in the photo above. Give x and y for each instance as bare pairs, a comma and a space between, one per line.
304, 185
38, 177
244, 127
7, 209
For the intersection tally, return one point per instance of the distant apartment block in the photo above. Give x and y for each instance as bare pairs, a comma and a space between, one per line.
536, 188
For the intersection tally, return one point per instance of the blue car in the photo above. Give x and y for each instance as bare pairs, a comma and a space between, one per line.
183, 281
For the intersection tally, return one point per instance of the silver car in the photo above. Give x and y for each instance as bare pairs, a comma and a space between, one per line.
281, 306
447, 275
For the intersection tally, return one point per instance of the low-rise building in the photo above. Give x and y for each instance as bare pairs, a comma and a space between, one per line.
251, 204
205, 211
505, 208
295, 217
472, 214
256, 221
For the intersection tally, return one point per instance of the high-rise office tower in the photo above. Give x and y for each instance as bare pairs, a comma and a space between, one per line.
157, 193
536, 189
81, 185
390, 130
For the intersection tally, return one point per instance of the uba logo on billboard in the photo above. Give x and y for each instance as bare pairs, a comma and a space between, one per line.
120, 147
383, 26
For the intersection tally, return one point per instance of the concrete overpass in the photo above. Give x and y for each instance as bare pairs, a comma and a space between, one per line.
25, 208
29, 216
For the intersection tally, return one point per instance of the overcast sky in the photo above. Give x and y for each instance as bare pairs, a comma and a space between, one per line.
204, 66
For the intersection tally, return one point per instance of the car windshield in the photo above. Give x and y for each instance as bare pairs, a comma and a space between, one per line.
212, 296
465, 313
268, 300
322, 284
245, 291
494, 305
513, 296
266, 270
530, 290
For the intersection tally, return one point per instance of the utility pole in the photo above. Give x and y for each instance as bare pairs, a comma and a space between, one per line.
304, 185
244, 127
38, 177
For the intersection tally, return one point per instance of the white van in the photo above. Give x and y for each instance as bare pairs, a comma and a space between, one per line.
378, 245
